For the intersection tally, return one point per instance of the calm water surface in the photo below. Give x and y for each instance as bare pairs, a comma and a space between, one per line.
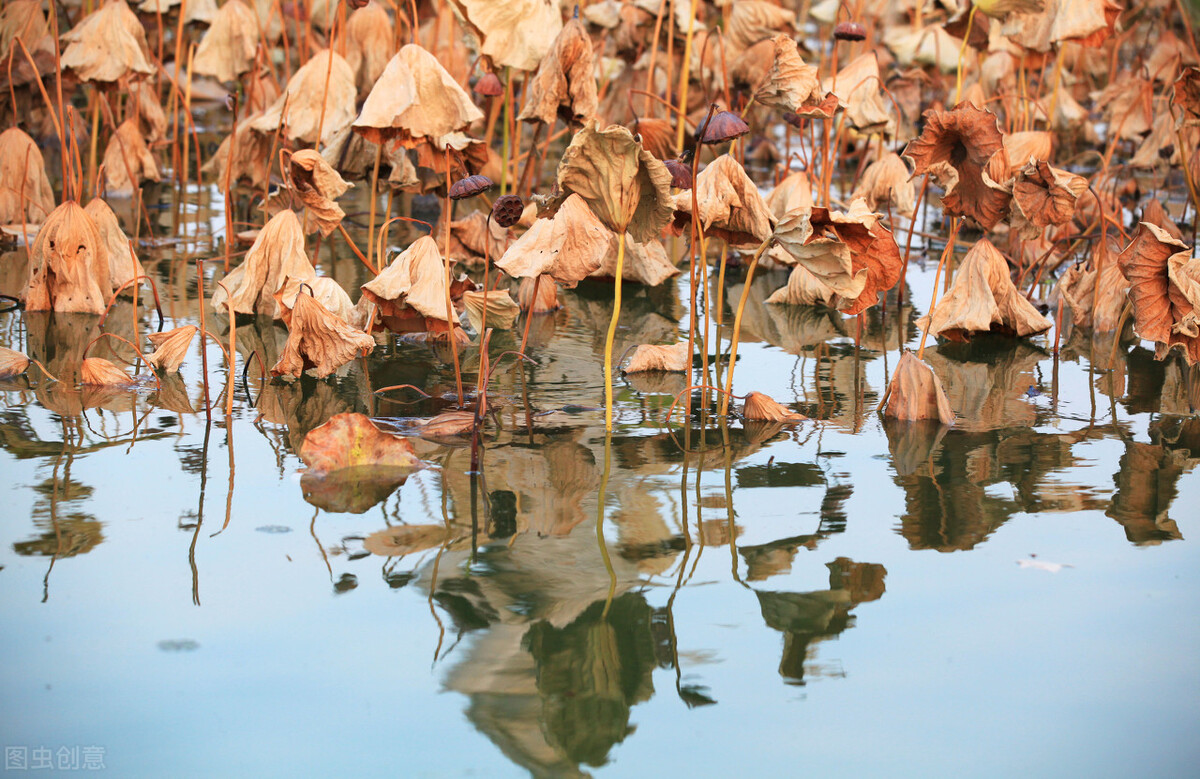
846, 596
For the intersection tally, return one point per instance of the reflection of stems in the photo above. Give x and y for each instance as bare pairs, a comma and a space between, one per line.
729, 500
199, 515
312, 531
600, 499
612, 331
229, 446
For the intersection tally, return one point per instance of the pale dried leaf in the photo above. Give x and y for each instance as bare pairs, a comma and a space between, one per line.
515, 33
568, 247
760, 407
69, 270
108, 45
227, 49
12, 363
565, 83
915, 392
302, 100
369, 45
730, 204
122, 265
319, 341
170, 348
23, 170
644, 263
126, 156
277, 254
887, 181
100, 372
502, 309
648, 357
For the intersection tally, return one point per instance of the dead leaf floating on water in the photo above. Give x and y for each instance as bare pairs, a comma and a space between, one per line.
170, 348
760, 407
983, 299
69, 272
22, 169
351, 440
915, 393
12, 363
648, 357
96, 371
319, 341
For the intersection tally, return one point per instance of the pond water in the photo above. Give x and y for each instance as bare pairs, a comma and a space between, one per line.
843, 596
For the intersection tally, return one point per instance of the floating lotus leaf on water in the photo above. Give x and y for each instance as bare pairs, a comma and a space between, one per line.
564, 83
69, 271
983, 299
761, 407
916, 393
101, 372
12, 363
23, 170
451, 426
648, 357
352, 464
319, 340
170, 348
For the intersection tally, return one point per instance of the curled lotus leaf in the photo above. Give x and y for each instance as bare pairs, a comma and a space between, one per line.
648, 357
761, 407
170, 348
915, 392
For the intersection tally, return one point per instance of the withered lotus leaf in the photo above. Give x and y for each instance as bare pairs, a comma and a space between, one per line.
515, 33
69, 271
447, 426
547, 295
802, 288
648, 357
983, 299
857, 90
411, 291
1184, 272
317, 185
399, 540
472, 235
730, 204
568, 247
277, 254
1187, 92
1078, 286
98, 371
954, 147
22, 168
752, 21
126, 156
251, 156
302, 99
369, 41
502, 309
24, 20
327, 292
143, 107
170, 348
227, 49
790, 84
1044, 196
658, 138
645, 263
415, 100
887, 181
1165, 290
915, 392
791, 195
12, 363
122, 265
623, 184
760, 407
319, 340
1021, 148
351, 440
107, 45
565, 82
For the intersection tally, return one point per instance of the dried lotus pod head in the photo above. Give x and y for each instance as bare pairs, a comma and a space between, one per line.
489, 85
723, 126
760, 407
469, 187
795, 120
507, 210
356, 4
681, 173
849, 31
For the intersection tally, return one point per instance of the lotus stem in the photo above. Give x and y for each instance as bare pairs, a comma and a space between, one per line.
374, 197
537, 280
737, 326
612, 332
658, 20
446, 215
504, 139
962, 51
683, 76
229, 181
94, 141
357, 252
908, 243
1125, 312
134, 281
946, 253
203, 329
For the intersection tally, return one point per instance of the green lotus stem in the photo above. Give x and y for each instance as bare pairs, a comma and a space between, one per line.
737, 325
612, 331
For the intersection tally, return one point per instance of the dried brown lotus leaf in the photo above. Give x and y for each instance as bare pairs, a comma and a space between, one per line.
515, 33
449, 425
547, 295
170, 348
760, 407
100, 372
1044, 196
565, 82
144, 108
69, 271
471, 235
819, 251
1025, 147
108, 45
983, 299
502, 309
568, 247
790, 83
751, 21
414, 100
1187, 93
658, 137
352, 440
318, 185
1144, 264
227, 49
648, 357
887, 181
23, 169
306, 112
415, 280
128, 155
1094, 308
623, 184
277, 254
955, 146
803, 289
369, 42
1184, 273
122, 265
644, 263
1128, 106
12, 363
1154, 213
326, 291
399, 540
915, 392
730, 204
857, 90
251, 156
319, 340
25, 21
791, 195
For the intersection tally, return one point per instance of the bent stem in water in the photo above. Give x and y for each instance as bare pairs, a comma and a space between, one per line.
612, 331
737, 325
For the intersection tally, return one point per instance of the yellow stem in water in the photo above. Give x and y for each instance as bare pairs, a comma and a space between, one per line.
737, 325
612, 332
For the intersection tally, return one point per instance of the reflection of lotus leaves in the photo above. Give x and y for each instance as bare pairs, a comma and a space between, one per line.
301, 406
405, 539
986, 382
912, 443
351, 490
72, 536
1146, 485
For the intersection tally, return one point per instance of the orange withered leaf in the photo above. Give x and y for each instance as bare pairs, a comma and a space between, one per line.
915, 392
648, 357
69, 270
983, 299
1044, 196
12, 363
128, 160
326, 291
318, 185
954, 147
411, 291
22, 169
1096, 298
352, 440
122, 265
564, 83
319, 341
1165, 290
760, 407
568, 247
170, 348
547, 295
730, 204
97, 371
